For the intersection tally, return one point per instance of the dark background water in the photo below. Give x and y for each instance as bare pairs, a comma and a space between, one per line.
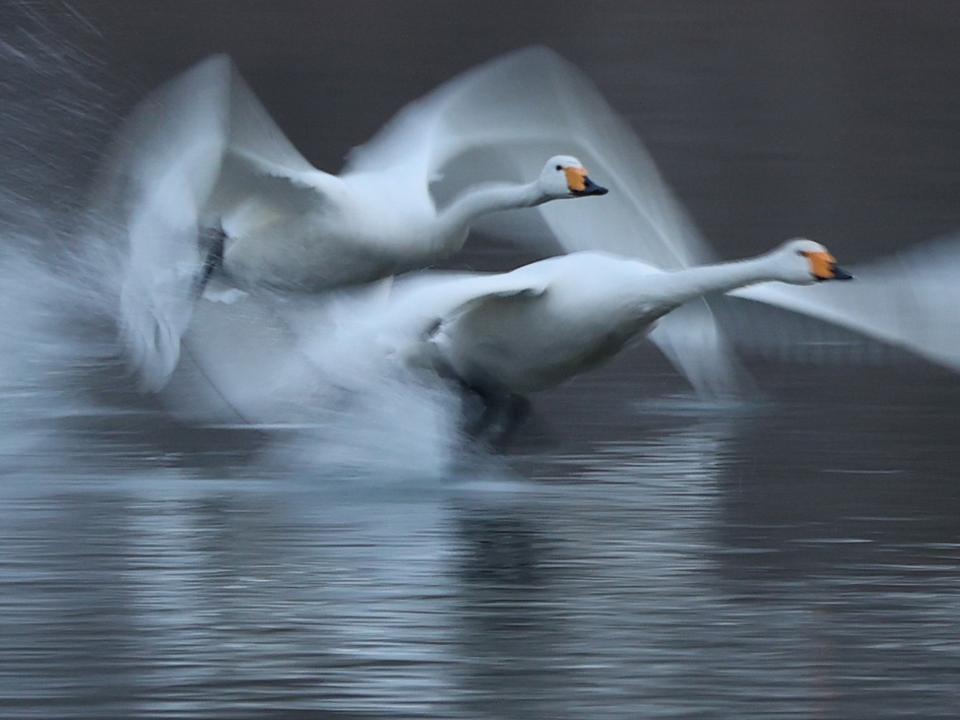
637, 553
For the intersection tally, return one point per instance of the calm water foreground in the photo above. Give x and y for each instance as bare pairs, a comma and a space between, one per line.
793, 557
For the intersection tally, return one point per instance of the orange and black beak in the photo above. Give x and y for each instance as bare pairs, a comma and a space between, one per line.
580, 183
824, 266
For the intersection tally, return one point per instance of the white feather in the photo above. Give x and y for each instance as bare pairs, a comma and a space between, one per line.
909, 300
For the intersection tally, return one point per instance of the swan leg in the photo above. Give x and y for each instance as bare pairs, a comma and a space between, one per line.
214, 239
519, 410
499, 413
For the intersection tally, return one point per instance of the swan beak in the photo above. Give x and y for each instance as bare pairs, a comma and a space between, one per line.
580, 184
824, 267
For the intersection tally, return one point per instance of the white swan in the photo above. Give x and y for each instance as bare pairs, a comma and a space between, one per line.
541, 324
201, 155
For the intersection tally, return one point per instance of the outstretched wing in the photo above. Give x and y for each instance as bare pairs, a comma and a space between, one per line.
909, 300
503, 119
182, 160
163, 168
420, 304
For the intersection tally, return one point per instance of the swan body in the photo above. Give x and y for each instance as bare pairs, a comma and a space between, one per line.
579, 310
364, 226
203, 182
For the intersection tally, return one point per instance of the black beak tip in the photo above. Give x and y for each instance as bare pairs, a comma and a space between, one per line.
841, 274
591, 188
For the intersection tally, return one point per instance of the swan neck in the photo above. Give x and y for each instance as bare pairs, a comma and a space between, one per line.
720, 278
476, 202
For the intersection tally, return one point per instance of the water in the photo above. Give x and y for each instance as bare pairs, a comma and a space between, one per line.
796, 557
632, 552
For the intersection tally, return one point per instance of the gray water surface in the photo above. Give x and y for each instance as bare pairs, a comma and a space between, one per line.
797, 556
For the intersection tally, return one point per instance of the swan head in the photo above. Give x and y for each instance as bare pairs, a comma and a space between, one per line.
804, 262
565, 177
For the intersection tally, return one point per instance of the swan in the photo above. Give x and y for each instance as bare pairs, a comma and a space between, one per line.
204, 183
540, 325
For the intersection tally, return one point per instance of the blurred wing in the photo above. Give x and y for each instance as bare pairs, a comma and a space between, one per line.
426, 301
503, 120
692, 341
182, 161
909, 300
163, 167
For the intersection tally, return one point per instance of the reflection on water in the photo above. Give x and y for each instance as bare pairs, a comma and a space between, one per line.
795, 557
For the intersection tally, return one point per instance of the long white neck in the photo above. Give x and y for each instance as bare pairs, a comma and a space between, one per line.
683, 285
476, 202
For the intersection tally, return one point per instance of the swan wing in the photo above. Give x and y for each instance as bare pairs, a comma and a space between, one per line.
162, 169
260, 160
694, 343
908, 300
502, 120
201, 140
429, 299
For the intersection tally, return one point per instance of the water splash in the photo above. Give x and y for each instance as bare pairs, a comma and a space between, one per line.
68, 402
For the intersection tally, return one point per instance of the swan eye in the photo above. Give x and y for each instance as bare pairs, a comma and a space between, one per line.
559, 167
802, 253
